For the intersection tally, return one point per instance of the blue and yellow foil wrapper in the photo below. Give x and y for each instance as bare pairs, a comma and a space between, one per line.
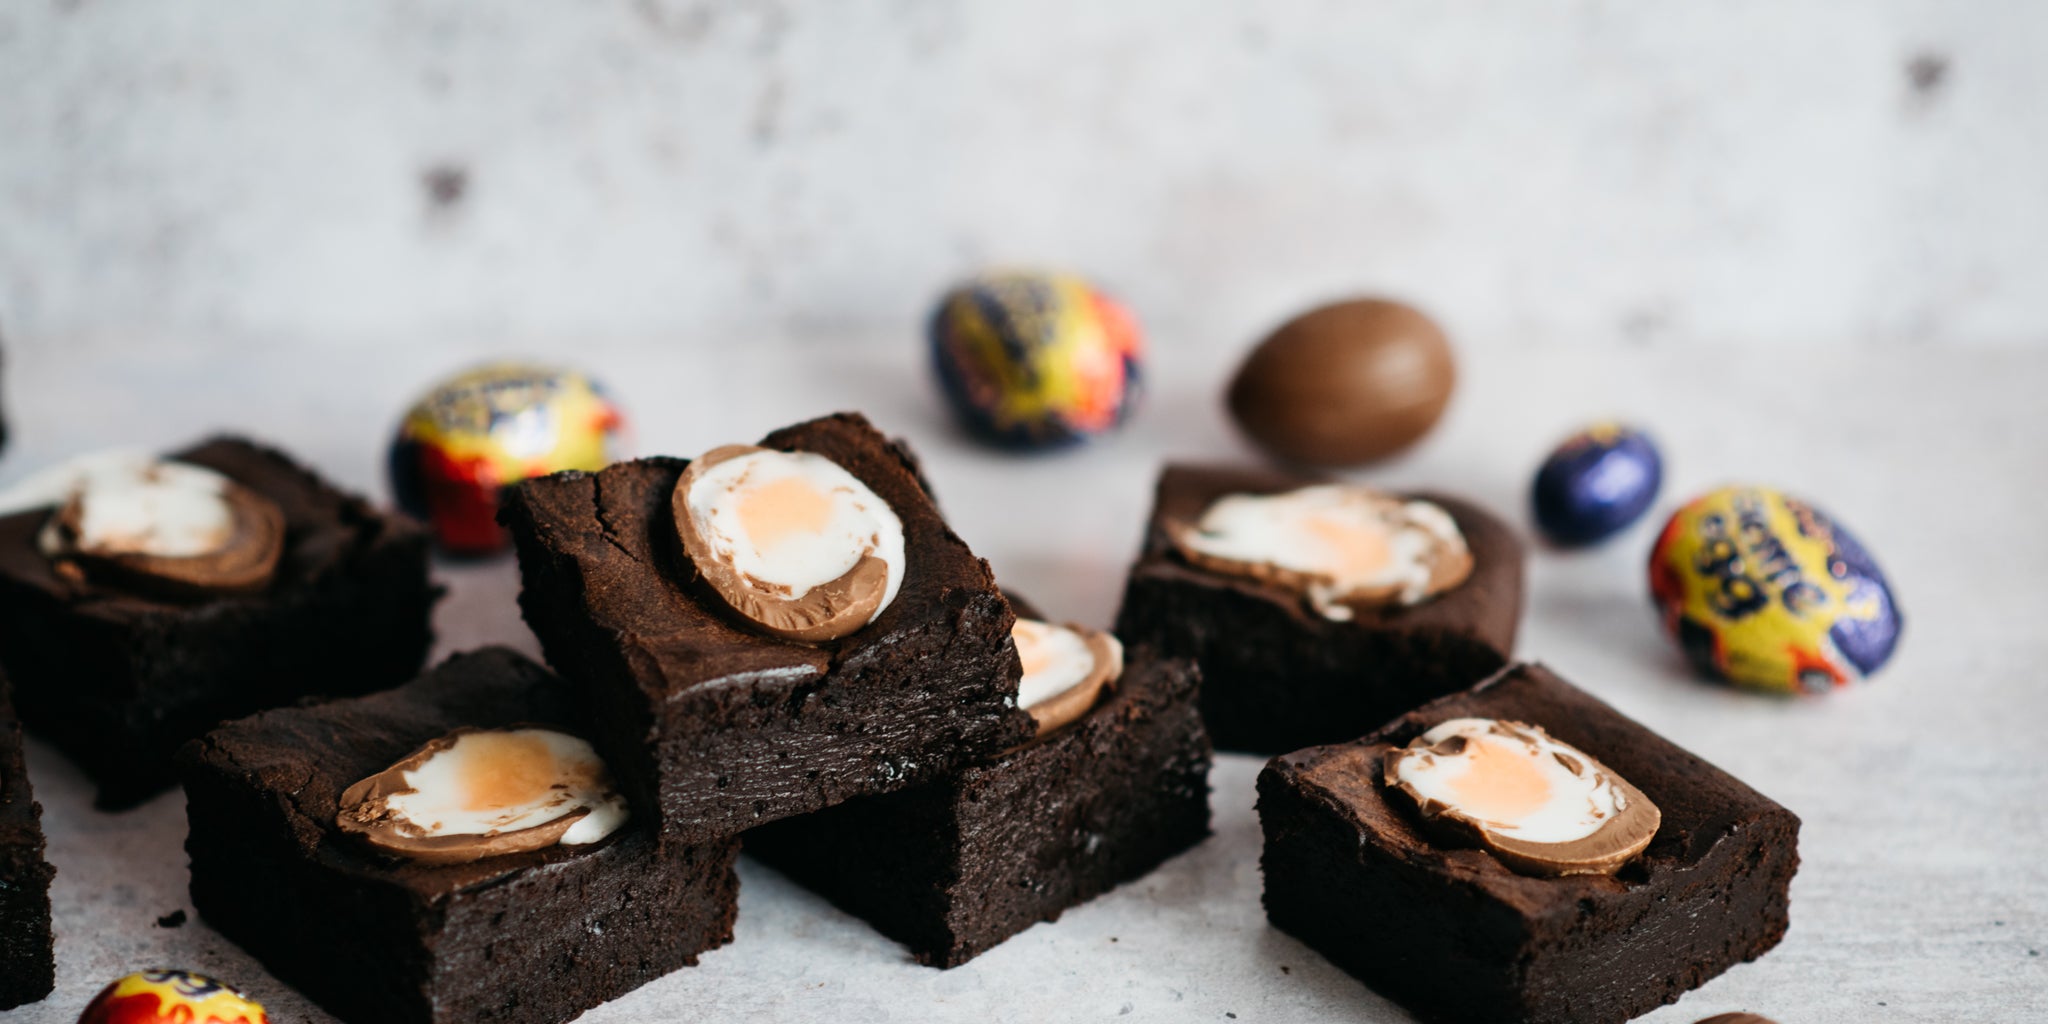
1767, 592
1036, 360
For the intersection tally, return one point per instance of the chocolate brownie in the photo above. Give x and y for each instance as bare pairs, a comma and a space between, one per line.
718, 727
955, 867
27, 967
1275, 674
535, 936
1453, 934
119, 679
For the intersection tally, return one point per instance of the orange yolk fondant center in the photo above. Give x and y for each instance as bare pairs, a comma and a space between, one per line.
1357, 551
1500, 784
1032, 652
778, 510
505, 771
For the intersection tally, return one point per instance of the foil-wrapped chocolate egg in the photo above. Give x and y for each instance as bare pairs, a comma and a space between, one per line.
1596, 483
172, 997
1036, 360
1345, 384
1767, 592
489, 427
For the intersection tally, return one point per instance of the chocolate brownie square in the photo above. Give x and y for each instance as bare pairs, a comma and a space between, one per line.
521, 938
119, 679
27, 967
953, 868
1453, 934
717, 727
1276, 675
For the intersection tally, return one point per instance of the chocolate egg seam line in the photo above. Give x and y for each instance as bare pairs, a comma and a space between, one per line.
1764, 590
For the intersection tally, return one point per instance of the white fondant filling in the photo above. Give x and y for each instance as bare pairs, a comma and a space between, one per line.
1061, 656
1577, 805
859, 523
131, 503
438, 804
1276, 529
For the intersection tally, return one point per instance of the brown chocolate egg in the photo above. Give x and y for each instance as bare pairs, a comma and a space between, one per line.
1345, 384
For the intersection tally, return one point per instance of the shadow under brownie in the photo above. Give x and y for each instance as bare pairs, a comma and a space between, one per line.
718, 727
1454, 935
118, 680
524, 938
1276, 675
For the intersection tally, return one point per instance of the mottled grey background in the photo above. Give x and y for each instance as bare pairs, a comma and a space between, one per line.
1803, 243
344, 172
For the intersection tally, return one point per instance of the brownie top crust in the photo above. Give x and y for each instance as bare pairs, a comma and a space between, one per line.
324, 527
1185, 491
616, 527
300, 760
1701, 804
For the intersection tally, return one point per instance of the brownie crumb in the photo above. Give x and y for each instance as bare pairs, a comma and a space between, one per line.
174, 919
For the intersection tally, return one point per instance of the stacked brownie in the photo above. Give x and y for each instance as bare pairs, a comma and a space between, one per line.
889, 766
712, 724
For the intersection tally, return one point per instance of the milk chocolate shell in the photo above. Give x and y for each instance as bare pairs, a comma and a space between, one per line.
1345, 384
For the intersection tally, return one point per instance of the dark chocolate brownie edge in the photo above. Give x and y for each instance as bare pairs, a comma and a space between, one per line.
27, 956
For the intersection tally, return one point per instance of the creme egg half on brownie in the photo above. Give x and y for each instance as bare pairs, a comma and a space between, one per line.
791, 541
1343, 547
1540, 805
1066, 669
155, 524
478, 793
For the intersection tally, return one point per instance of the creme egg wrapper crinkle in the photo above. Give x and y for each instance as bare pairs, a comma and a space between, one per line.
480, 793
1066, 669
790, 540
1540, 805
1342, 546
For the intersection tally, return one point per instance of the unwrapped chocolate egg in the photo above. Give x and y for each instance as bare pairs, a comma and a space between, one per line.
1036, 360
1596, 483
489, 427
171, 997
1345, 384
1767, 592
